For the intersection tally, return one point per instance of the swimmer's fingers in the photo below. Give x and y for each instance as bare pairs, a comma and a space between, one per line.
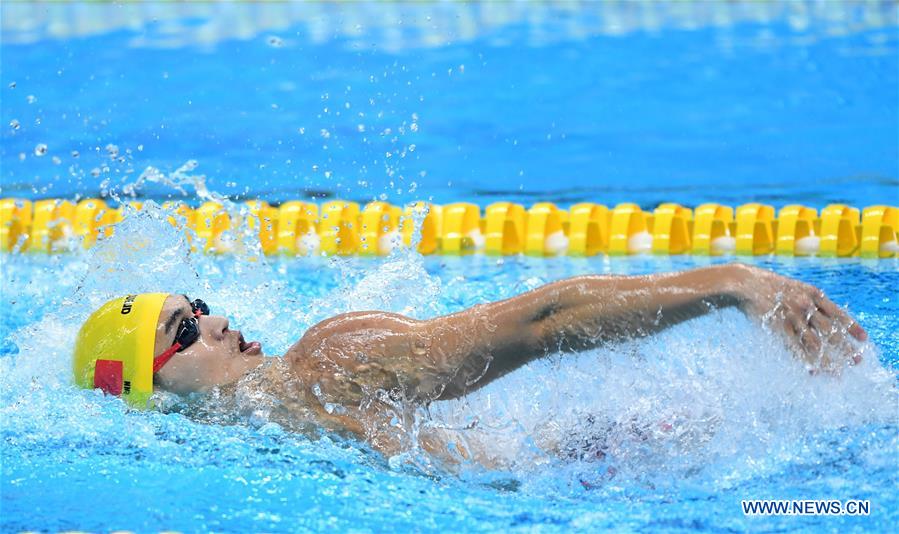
833, 335
804, 339
831, 310
821, 337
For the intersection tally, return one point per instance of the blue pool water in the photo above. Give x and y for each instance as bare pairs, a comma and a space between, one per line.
731, 104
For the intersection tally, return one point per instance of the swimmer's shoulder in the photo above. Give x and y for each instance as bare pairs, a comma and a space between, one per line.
340, 338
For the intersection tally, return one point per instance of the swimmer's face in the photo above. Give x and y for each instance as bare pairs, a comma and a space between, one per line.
214, 359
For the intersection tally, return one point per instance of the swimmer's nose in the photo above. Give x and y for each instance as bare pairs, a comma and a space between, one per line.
214, 326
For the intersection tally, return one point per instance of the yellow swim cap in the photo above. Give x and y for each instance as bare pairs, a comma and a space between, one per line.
115, 346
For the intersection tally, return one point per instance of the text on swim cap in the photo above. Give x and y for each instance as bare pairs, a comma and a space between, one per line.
126, 306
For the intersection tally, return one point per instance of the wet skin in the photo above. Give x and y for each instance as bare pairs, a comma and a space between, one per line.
370, 364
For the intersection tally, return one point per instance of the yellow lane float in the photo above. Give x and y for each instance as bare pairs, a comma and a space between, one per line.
798, 231
461, 229
263, 221
338, 227
51, 226
379, 229
504, 228
545, 233
713, 230
880, 225
840, 231
212, 222
341, 227
589, 225
671, 229
15, 222
755, 229
430, 218
297, 223
629, 232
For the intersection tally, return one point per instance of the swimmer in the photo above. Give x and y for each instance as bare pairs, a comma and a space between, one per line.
359, 373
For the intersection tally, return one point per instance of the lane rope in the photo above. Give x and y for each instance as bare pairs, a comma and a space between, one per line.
299, 228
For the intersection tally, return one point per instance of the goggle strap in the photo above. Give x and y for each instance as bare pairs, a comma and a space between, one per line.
163, 358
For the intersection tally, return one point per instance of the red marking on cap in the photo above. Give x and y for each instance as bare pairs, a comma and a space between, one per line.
108, 376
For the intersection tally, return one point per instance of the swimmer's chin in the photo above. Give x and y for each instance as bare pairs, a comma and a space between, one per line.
230, 403
213, 405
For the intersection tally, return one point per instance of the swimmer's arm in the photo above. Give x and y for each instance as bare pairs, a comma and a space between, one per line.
447, 356
487, 341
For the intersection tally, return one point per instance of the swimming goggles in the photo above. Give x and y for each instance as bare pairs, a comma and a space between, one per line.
188, 333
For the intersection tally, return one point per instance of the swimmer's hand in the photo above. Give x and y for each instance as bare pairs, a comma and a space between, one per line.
817, 329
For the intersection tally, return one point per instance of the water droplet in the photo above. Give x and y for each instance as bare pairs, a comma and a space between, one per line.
31, 99
332, 408
327, 174
95, 172
112, 151
361, 128
140, 148
56, 160
75, 154
22, 156
12, 85
414, 127
302, 131
325, 133
275, 42
40, 149
14, 124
